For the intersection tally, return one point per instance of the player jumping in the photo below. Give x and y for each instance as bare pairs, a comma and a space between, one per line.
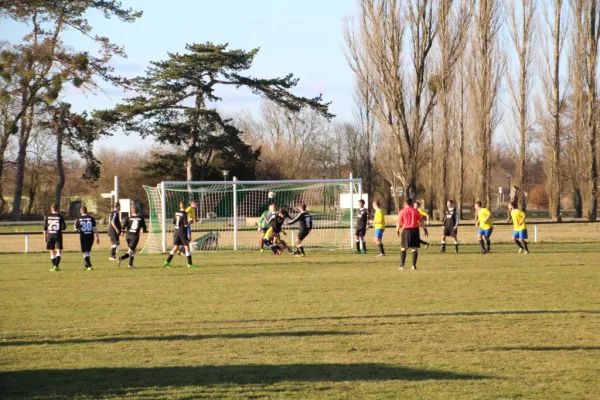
180, 236
54, 224
132, 227
86, 226
304, 219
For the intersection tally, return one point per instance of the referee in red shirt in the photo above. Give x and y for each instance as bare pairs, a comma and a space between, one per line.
409, 221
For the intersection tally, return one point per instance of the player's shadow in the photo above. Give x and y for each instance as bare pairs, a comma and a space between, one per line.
101, 382
168, 338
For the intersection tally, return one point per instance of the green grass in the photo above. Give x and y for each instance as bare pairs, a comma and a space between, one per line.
332, 325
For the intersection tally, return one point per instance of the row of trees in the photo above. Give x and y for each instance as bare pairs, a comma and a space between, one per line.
434, 72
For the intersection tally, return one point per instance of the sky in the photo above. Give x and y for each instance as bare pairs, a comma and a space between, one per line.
300, 37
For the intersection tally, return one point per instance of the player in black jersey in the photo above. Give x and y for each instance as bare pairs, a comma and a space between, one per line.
86, 226
304, 220
276, 228
180, 236
132, 226
114, 230
54, 224
450, 228
362, 224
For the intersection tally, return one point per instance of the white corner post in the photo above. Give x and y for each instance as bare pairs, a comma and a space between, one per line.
116, 188
163, 215
235, 214
535, 234
351, 212
26, 243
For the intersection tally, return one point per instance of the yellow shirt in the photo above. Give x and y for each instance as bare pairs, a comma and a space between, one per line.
423, 213
481, 216
379, 220
191, 212
518, 215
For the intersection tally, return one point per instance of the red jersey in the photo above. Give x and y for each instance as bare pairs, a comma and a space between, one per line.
409, 217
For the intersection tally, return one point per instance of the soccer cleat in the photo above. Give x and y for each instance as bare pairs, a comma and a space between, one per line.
443, 250
356, 251
400, 268
131, 266
526, 252
483, 251
90, 268
520, 250
55, 268
262, 250
380, 255
111, 258
167, 264
456, 251
364, 252
414, 268
191, 265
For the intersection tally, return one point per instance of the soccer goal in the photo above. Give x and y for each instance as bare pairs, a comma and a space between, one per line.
228, 212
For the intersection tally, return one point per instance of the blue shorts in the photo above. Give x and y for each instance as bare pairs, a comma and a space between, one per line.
485, 232
521, 235
379, 233
189, 231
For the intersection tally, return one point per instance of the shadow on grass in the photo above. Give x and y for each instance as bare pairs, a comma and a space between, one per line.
546, 348
96, 382
401, 315
167, 338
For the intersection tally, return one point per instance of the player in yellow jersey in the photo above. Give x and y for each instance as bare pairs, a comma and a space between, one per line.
424, 223
520, 228
379, 225
485, 221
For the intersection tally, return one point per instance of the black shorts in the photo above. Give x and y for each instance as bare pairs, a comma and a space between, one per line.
180, 240
303, 233
132, 241
54, 242
361, 232
87, 242
450, 232
411, 238
114, 238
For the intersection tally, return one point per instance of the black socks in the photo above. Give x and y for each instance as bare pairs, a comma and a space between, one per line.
402, 258
189, 259
169, 258
381, 251
415, 256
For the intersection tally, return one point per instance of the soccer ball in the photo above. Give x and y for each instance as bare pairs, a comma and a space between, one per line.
271, 195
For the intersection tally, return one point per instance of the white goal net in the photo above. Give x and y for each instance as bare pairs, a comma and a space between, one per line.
228, 212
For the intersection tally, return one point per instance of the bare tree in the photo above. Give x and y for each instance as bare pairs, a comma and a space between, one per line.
587, 33
454, 21
551, 110
366, 123
461, 117
522, 17
402, 100
487, 69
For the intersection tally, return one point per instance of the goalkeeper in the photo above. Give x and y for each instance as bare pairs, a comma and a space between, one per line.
263, 226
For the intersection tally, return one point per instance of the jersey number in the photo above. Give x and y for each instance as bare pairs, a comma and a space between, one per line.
134, 225
53, 226
86, 226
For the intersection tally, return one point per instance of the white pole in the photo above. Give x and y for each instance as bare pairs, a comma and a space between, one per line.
163, 200
351, 212
26, 243
116, 188
535, 234
235, 215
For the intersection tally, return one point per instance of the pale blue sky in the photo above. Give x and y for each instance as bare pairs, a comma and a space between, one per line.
303, 37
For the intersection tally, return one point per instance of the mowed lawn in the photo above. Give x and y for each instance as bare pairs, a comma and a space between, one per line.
333, 325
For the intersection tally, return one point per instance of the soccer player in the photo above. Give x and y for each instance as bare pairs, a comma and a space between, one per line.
520, 228
54, 224
114, 230
180, 236
132, 226
409, 221
362, 224
86, 226
485, 222
305, 221
276, 226
263, 225
379, 225
450, 228
191, 212
424, 224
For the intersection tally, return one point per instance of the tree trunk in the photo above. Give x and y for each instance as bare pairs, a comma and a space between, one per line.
33, 186
555, 176
577, 203
24, 132
59, 168
430, 200
3, 147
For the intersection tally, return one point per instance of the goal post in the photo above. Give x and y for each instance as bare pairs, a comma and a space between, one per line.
228, 212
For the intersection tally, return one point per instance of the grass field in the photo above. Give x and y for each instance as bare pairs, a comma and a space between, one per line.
333, 325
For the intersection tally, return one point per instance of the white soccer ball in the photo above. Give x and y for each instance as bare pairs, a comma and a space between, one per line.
271, 195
